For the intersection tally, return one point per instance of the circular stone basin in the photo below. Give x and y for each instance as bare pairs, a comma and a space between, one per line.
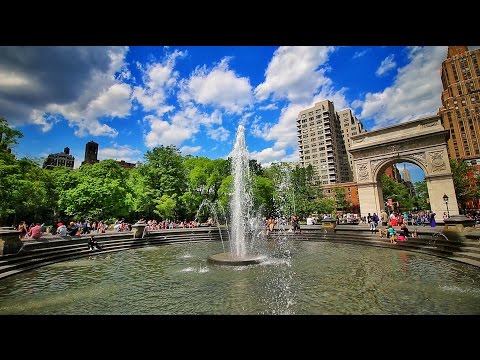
230, 259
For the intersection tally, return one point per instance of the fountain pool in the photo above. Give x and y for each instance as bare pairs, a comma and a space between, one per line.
299, 277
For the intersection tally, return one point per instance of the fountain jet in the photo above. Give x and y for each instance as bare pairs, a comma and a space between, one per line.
241, 205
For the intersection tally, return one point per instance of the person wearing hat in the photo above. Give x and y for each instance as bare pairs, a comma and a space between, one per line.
61, 229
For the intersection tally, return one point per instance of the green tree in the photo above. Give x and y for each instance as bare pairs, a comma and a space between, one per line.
165, 207
224, 194
164, 171
8, 136
340, 200
326, 205
398, 192
137, 198
263, 195
421, 196
101, 192
463, 181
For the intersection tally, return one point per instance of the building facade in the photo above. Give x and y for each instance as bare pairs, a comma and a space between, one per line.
126, 165
349, 125
91, 153
59, 159
352, 203
460, 110
323, 141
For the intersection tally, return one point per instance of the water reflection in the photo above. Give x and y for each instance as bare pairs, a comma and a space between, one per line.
298, 278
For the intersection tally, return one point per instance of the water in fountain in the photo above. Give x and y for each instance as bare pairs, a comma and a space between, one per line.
243, 223
207, 203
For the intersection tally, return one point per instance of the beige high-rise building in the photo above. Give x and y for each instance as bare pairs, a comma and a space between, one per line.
322, 137
350, 125
460, 110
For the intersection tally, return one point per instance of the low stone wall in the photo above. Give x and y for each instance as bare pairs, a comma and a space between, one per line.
9, 242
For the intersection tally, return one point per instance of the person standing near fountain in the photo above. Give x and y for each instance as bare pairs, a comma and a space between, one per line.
296, 224
431, 218
270, 225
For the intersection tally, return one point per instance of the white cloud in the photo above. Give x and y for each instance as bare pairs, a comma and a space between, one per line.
75, 82
294, 73
387, 64
113, 102
219, 134
185, 150
415, 91
120, 152
258, 128
359, 54
163, 133
183, 125
219, 86
268, 155
271, 106
244, 119
159, 79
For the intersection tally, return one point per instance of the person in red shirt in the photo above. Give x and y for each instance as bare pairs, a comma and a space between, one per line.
36, 231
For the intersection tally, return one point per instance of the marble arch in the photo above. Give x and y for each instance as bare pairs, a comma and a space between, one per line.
422, 142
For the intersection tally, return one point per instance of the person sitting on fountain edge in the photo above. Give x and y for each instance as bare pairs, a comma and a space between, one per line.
93, 244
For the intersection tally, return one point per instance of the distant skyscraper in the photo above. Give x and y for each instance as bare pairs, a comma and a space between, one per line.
406, 174
59, 159
323, 140
91, 153
460, 110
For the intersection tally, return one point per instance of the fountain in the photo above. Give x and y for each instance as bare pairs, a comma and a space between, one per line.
241, 205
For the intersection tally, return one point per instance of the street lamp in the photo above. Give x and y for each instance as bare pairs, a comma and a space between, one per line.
445, 198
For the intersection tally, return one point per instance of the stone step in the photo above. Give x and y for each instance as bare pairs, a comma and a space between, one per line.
466, 260
468, 255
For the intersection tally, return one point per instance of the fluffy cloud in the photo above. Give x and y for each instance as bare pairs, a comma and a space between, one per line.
294, 73
415, 91
219, 87
120, 152
219, 134
37, 84
163, 133
158, 79
185, 150
183, 125
268, 155
387, 64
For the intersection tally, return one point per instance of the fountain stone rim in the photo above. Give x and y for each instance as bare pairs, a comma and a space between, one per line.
226, 258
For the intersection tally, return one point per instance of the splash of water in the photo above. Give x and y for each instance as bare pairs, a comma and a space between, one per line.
213, 211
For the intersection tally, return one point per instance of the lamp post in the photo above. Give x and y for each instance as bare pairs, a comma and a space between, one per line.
445, 198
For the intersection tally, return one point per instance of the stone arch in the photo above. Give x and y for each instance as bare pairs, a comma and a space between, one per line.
422, 142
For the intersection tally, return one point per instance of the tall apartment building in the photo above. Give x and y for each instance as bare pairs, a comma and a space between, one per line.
59, 159
322, 137
460, 110
350, 125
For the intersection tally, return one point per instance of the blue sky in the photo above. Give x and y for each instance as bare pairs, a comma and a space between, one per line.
131, 99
